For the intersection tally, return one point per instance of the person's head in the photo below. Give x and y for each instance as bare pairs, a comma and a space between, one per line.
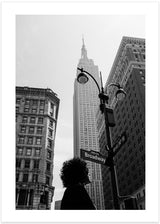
74, 171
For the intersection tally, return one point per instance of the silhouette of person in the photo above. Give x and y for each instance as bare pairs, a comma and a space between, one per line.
74, 175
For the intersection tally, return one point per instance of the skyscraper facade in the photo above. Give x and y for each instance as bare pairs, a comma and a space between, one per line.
129, 71
85, 106
36, 121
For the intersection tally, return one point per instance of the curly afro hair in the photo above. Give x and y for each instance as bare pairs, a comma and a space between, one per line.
74, 171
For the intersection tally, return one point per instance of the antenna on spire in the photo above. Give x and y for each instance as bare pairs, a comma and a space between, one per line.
83, 39
83, 49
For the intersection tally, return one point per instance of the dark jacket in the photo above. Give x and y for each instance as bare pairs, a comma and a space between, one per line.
76, 198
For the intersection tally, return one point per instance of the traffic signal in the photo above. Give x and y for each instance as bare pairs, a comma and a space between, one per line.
110, 117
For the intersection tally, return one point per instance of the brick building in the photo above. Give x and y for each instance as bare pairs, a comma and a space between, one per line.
129, 70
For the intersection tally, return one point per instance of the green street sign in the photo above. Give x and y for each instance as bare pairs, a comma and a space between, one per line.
92, 156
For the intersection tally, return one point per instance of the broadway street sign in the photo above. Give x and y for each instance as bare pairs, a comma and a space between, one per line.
93, 156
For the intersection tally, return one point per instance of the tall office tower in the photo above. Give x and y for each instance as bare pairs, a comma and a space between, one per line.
129, 70
36, 120
85, 106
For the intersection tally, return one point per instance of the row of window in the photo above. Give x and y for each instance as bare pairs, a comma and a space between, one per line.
30, 140
31, 164
26, 177
32, 120
33, 110
31, 129
38, 120
28, 151
27, 163
34, 102
34, 178
21, 151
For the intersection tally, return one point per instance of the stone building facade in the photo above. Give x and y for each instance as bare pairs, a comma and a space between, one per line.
36, 121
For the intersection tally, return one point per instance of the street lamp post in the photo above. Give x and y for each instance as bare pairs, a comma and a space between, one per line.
83, 78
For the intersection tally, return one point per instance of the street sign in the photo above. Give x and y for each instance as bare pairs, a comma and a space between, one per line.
119, 142
93, 156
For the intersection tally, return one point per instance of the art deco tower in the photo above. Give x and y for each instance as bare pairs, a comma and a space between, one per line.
85, 106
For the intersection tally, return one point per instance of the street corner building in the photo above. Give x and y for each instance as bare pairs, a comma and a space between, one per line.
129, 71
36, 121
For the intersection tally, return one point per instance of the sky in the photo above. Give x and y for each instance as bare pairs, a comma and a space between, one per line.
48, 49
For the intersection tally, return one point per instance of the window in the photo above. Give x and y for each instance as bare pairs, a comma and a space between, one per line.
24, 119
20, 151
39, 130
23, 129
18, 163
35, 178
32, 120
34, 111
35, 102
17, 177
41, 111
26, 109
51, 123
140, 72
143, 78
49, 143
37, 151
38, 141
36, 164
139, 140
44, 198
49, 154
27, 101
21, 140
22, 199
25, 177
31, 130
28, 151
40, 120
52, 109
48, 167
30, 140
42, 102
17, 109
143, 157
52, 106
18, 100
50, 133
47, 180
27, 163
143, 192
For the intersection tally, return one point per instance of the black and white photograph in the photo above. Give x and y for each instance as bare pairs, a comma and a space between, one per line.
70, 109
80, 126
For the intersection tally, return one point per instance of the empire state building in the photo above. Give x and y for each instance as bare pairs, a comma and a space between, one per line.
85, 107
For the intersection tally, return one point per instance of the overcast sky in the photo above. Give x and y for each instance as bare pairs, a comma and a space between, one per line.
48, 49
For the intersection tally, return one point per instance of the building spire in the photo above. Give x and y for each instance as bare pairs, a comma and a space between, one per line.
83, 40
83, 49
